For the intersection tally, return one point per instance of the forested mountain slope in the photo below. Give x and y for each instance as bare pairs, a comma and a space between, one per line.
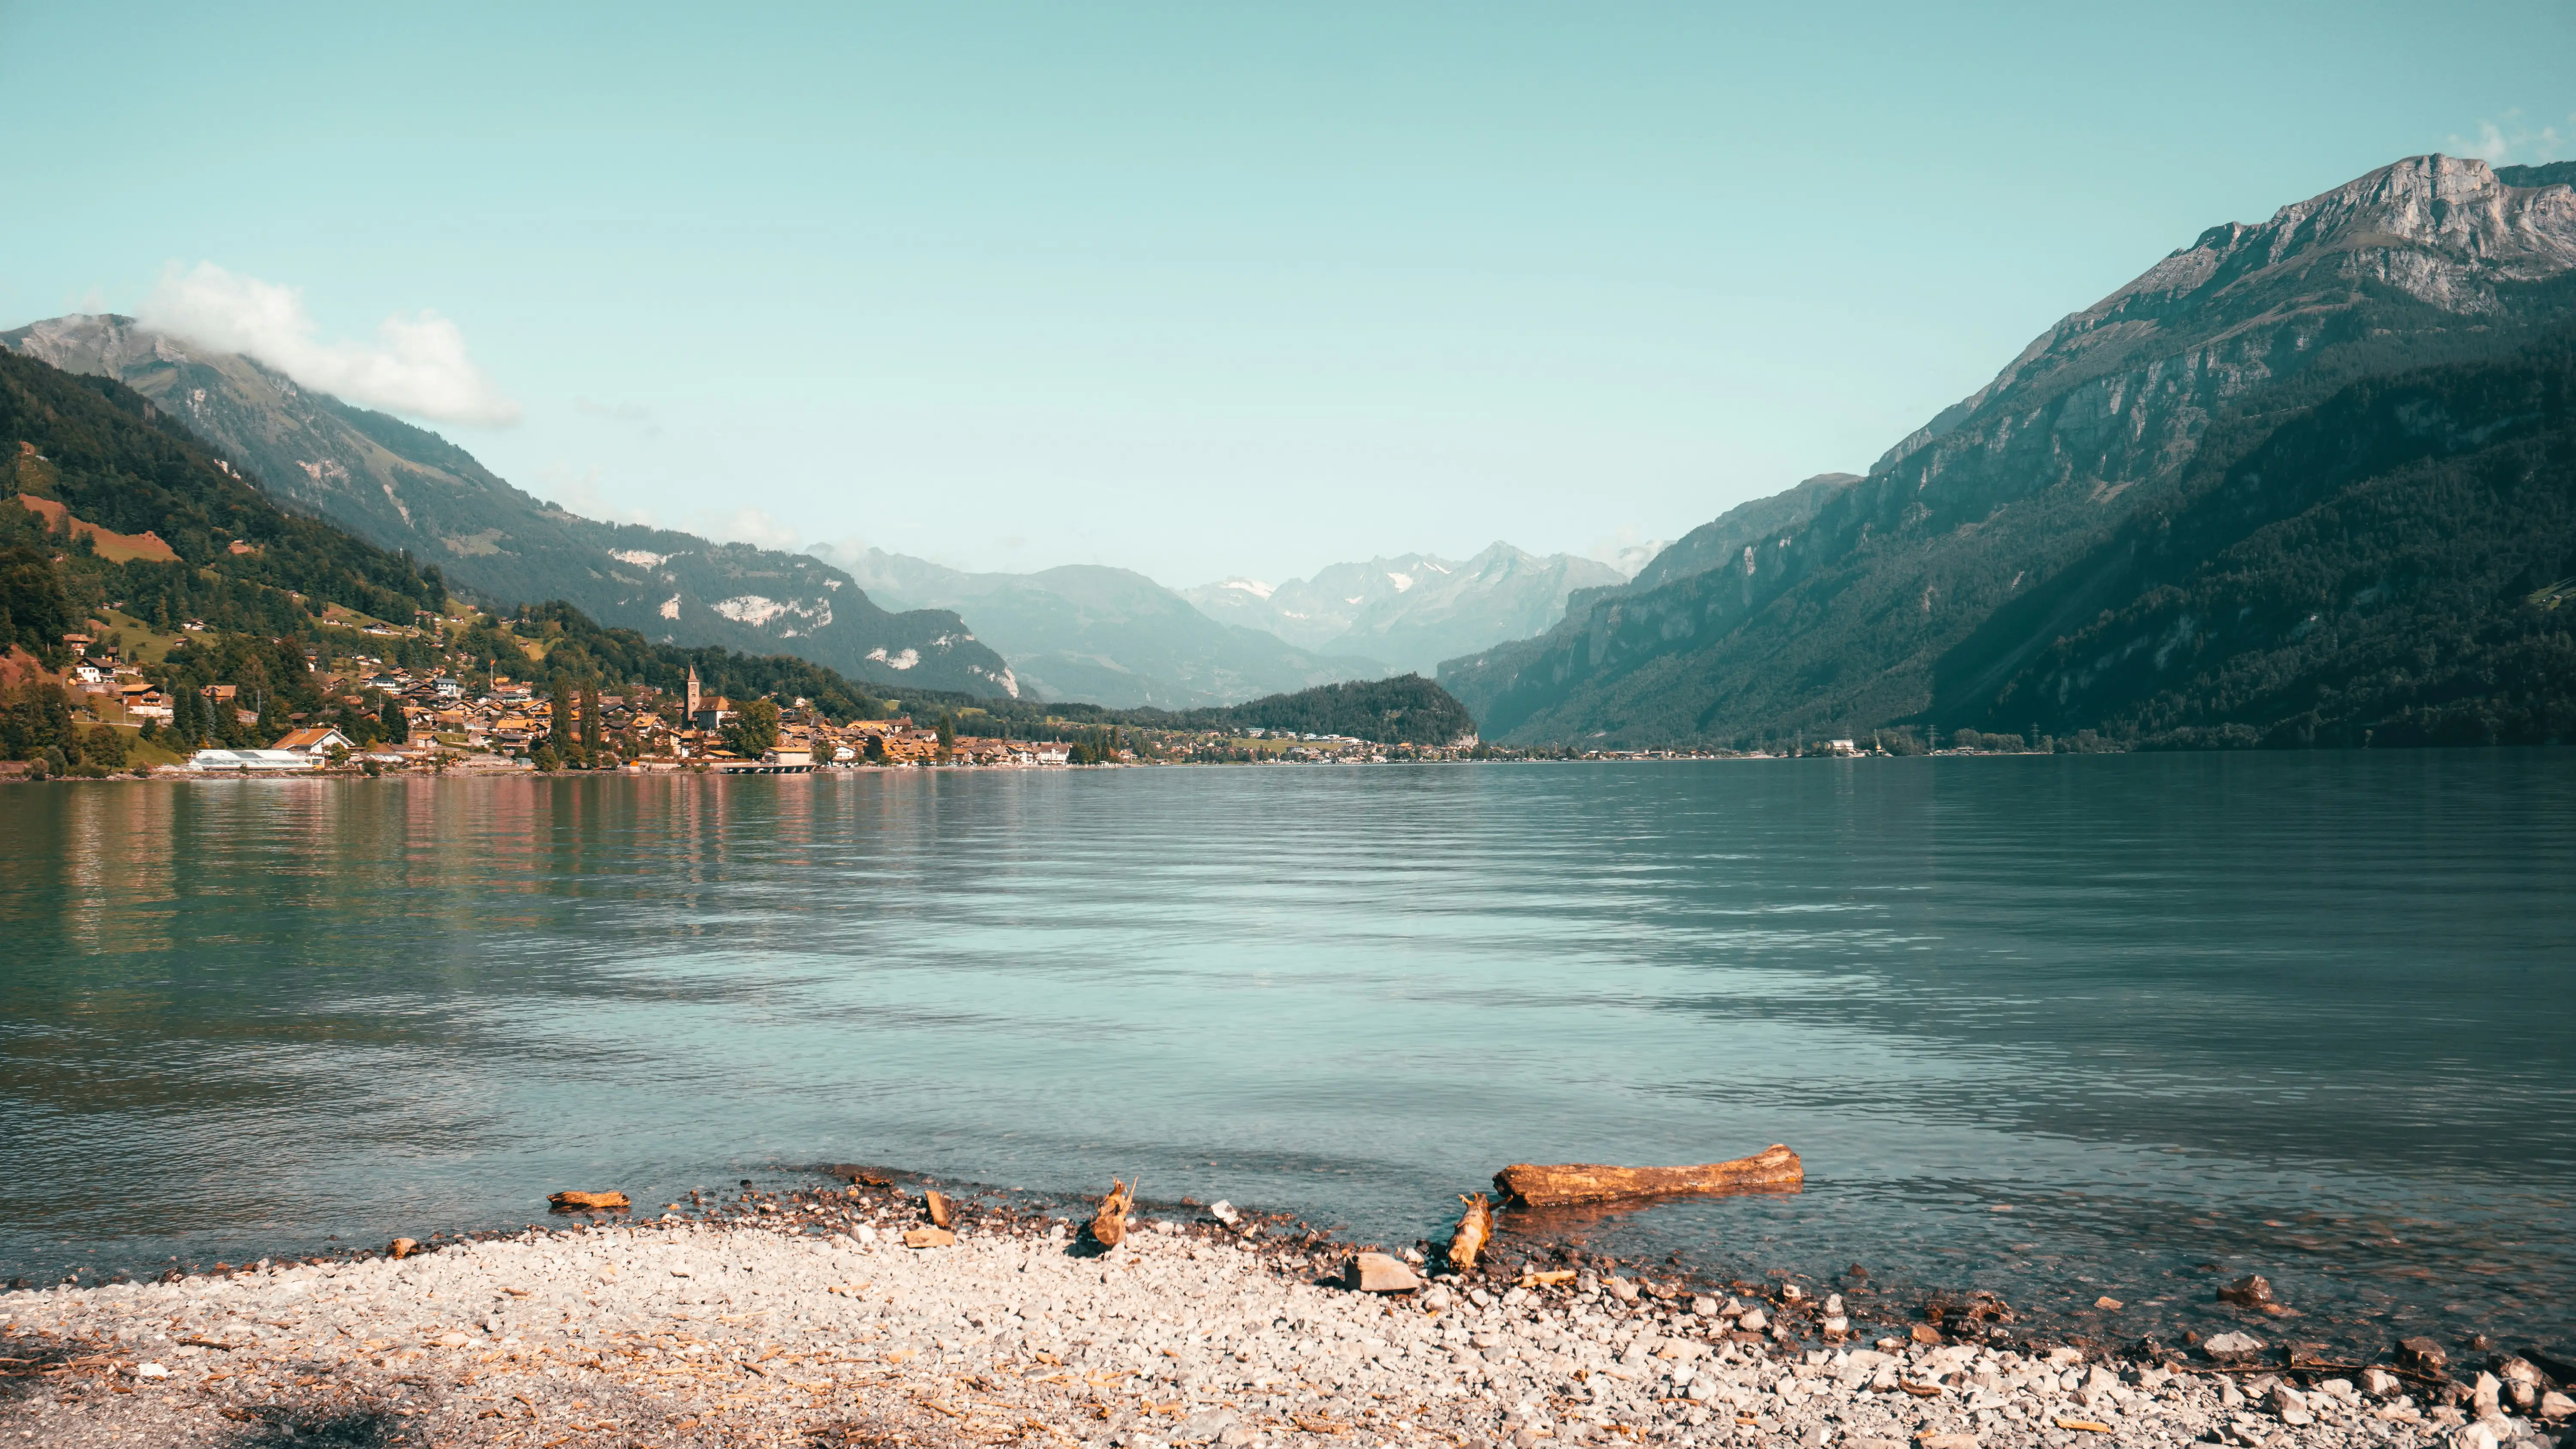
403, 487
113, 458
1838, 622
2386, 567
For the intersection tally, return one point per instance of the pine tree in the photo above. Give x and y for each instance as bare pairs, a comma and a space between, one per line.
397, 727
559, 726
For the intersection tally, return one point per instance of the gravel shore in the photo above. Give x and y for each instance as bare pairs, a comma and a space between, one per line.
803, 1319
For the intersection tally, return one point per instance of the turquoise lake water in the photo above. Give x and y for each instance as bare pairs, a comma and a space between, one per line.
2058, 1027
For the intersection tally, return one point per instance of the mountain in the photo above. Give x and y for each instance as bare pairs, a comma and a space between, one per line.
1105, 635
2386, 567
1847, 608
402, 487
88, 451
1411, 611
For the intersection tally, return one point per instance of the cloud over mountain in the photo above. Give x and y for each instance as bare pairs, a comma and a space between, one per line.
416, 367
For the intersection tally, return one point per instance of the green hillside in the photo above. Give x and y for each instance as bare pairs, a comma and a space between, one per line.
252, 593
116, 460
2387, 567
1405, 710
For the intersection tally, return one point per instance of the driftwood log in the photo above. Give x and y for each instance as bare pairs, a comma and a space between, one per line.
1109, 1225
936, 1204
1532, 1185
574, 1202
1475, 1230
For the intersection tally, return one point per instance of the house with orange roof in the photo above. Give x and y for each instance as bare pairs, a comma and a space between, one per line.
317, 741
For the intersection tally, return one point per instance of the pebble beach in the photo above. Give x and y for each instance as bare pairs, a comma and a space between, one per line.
805, 1318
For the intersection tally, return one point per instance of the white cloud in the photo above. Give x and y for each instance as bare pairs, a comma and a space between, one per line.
1627, 550
749, 525
2498, 145
416, 366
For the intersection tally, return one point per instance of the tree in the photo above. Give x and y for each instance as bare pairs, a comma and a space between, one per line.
34, 611
397, 727
754, 729
559, 727
106, 745
947, 734
592, 738
33, 718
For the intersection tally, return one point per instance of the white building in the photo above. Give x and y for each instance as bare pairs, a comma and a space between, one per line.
253, 761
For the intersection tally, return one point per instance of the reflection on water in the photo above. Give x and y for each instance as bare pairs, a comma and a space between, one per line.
2059, 1027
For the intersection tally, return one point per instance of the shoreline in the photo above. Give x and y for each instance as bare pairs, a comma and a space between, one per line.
798, 1316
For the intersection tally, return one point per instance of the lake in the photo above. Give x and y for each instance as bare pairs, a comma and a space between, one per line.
2062, 1028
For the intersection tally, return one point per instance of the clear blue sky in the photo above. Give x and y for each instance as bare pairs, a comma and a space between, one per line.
1209, 289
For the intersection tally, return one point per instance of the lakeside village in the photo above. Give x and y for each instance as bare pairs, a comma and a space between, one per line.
112, 713
120, 710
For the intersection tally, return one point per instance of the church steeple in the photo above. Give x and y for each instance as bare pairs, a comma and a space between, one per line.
693, 692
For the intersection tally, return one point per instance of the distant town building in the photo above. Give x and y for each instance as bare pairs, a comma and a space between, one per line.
254, 761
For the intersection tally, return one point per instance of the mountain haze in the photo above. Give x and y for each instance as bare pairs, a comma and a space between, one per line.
1411, 611
1846, 604
402, 487
1106, 635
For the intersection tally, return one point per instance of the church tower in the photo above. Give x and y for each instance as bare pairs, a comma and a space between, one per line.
693, 692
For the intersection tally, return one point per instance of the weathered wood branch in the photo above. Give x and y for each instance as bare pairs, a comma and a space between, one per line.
1475, 1230
1109, 1225
1533, 1185
573, 1202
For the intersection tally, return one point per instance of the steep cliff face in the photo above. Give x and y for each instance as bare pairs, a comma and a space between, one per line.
402, 487
1835, 619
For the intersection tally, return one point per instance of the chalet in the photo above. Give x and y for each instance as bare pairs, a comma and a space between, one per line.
78, 644
711, 713
1054, 752
318, 742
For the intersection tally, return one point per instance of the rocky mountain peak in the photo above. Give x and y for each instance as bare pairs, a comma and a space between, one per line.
2243, 303
2441, 228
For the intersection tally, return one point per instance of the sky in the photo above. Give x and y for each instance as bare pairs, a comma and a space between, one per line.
1195, 290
